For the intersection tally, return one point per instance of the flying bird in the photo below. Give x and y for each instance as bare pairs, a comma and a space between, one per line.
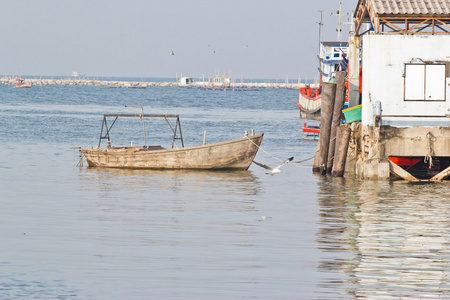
172, 53
277, 168
212, 49
127, 34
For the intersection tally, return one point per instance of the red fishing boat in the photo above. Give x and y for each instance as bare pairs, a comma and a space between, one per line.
309, 101
311, 131
333, 58
20, 83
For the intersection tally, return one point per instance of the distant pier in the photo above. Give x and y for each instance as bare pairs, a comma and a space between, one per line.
136, 84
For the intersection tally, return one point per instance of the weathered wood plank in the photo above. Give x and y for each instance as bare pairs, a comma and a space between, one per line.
336, 118
326, 115
400, 172
442, 175
343, 134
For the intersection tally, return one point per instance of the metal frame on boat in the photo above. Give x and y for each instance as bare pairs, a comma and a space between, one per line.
235, 154
175, 129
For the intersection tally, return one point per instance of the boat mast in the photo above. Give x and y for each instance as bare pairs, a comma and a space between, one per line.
339, 29
320, 37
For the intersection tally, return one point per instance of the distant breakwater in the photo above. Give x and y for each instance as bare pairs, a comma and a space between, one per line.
134, 84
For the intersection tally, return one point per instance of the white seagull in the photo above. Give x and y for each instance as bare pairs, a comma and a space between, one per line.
127, 34
277, 168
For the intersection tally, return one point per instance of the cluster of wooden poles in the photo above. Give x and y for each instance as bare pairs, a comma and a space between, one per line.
334, 137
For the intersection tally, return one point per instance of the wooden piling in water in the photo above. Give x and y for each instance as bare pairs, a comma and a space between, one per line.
326, 115
336, 119
343, 134
316, 168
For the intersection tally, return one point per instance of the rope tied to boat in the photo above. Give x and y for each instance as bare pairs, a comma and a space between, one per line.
301, 161
259, 147
262, 149
81, 157
430, 148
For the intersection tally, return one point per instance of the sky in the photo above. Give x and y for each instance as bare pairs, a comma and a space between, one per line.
251, 39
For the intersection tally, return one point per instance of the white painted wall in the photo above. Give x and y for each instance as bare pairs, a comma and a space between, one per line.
383, 62
353, 71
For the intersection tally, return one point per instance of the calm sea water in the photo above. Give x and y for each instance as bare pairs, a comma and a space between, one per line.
82, 233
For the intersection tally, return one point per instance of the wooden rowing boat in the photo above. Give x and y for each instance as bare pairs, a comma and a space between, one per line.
235, 154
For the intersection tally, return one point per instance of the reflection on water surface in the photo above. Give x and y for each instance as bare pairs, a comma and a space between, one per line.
88, 233
390, 238
213, 182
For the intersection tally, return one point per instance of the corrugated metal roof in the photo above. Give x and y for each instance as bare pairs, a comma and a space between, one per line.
411, 7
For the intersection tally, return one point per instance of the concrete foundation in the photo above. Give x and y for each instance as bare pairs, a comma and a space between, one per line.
370, 147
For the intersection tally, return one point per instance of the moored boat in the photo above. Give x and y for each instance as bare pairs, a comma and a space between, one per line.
309, 101
20, 83
235, 154
332, 57
310, 132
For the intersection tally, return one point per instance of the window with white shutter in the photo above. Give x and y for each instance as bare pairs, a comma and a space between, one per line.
425, 82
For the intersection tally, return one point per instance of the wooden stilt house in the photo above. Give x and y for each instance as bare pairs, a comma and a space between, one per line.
403, 49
